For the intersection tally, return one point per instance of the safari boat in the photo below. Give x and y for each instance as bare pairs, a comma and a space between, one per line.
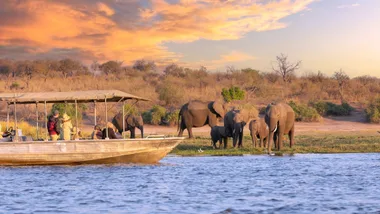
25, 151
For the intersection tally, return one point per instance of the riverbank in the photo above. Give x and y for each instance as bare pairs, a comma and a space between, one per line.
316, 143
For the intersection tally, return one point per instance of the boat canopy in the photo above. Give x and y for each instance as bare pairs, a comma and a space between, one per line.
68, 97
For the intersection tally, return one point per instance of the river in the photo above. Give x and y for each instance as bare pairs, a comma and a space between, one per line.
304, 183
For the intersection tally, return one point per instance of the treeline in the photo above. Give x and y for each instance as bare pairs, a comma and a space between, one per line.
173, 85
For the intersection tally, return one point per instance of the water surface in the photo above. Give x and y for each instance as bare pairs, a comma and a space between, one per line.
307, 183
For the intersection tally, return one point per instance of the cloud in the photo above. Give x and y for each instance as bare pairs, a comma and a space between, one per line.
348, 6
133, 29
223, 60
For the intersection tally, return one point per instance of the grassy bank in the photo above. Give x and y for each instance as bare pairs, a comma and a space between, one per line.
304, 144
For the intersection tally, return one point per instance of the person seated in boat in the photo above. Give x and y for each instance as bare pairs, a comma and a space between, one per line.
66, 127
97, 133
53, 126
76, 133
111, 131
7, 135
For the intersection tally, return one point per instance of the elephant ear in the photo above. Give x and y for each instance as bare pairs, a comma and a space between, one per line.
218, 108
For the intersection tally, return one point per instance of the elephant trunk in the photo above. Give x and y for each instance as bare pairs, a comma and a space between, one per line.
236, 132
272, 125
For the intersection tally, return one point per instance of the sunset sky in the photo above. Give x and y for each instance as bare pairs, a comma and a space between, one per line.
325, 34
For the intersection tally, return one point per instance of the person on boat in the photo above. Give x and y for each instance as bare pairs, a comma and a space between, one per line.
111, 131
66, 127
76, 133
97, 133
53, 126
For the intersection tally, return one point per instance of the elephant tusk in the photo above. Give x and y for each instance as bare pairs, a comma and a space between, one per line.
275, 129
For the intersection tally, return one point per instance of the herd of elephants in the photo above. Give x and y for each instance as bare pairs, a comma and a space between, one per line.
279, 120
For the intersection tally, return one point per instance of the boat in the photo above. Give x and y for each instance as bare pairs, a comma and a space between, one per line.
149, 150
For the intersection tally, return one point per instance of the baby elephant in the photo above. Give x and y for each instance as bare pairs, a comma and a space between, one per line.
218, 133
259, 129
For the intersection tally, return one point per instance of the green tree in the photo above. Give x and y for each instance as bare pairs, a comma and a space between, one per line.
233, 93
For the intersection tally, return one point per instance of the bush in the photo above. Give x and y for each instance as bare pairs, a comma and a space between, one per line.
172, 117
373, 111
233, 93
305, 113
170, 93
155, 115
328, 108
130, 109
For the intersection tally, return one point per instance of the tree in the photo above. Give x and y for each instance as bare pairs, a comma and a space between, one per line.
25, 70
8, 70
69, 67
285, 69
144, 66
95, 67
342, 78
111, 67
174, 70
366, 79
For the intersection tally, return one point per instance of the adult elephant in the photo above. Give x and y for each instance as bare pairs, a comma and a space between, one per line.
234, 126
280, 119
131, 123
197, 114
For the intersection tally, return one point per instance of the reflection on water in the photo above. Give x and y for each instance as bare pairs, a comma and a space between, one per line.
338, 183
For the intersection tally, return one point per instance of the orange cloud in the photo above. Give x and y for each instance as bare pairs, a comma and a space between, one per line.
128, 30
222, 61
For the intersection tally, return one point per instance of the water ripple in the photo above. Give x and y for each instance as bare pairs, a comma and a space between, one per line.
340, 183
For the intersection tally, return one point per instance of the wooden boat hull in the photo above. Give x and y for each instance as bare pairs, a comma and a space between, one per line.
141, 151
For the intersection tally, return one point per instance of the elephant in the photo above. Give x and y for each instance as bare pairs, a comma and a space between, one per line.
218, 133
234, 125
131, 123
259, 129
197, 114
280, 118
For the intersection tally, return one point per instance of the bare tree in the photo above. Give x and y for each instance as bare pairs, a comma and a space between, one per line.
284, 68
342, 78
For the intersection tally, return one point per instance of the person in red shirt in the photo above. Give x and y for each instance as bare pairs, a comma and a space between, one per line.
53, 126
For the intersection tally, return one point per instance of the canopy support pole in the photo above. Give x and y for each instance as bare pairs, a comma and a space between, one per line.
76, 121
16, 129
37, 118
7, 116
95, 112
123, 120
105, 101
46, 126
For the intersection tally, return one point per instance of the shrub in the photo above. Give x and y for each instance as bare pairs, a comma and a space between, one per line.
233, 93
147, 117
130, 109
155, 115
373, 111
15, 86
172, 117
305, 113
328, 108
170, 93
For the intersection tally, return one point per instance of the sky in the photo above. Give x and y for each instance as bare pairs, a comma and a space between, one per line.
326, 35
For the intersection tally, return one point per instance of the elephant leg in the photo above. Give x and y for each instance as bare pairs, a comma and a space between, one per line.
280, 138
133, 132
275, 140
142, 131
182, 127
291, 137
253, 140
